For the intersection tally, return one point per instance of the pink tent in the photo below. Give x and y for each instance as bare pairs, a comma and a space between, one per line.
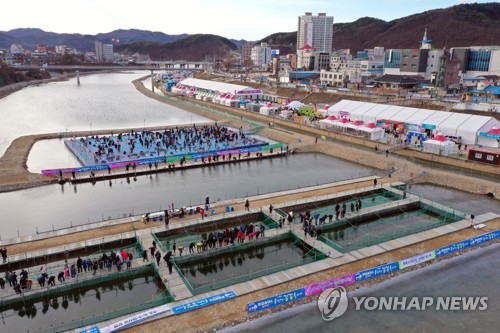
494, 130
269, 105
357, 122
371, 125
332, 117
343, 120
326, 107
440, 137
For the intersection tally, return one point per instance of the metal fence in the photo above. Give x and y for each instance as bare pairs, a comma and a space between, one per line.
27, 300
371, 236
311, 256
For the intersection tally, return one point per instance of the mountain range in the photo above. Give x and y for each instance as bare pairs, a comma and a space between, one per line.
461, 25
30, 37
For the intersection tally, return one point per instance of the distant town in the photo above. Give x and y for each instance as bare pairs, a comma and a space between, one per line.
315, 63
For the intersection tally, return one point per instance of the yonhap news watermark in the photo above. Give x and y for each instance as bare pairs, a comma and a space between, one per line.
333, 303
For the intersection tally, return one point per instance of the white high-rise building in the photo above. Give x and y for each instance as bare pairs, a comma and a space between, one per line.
315, 31
104, 52
261, 55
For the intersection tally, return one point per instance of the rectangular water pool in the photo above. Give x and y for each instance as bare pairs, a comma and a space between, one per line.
352, 235
326, 207
85, 303
243, 262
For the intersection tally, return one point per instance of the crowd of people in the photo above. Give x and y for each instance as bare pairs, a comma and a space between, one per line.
24, 281
311, 223
222, 238
156, 254
169, 142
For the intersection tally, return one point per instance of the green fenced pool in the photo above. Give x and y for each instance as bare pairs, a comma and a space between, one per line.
369, 199
186, 237
85, 303
242, 262
350, 235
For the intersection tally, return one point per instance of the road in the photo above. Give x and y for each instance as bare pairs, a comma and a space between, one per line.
472, 274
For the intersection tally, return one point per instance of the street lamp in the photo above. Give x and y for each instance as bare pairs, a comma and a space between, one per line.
144, 125
90, 128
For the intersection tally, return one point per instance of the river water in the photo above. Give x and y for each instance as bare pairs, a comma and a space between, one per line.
102, 101
59, 206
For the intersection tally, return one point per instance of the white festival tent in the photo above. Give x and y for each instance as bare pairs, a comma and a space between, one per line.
449, 123
221, 87
267, 108
472, 128
433, 122
404, 114
324, 110
449, 127
340, 108
414, 121
490, 138
295, 105
359, 112
326, 123
390, 112
371, 116
439, 145
376, 133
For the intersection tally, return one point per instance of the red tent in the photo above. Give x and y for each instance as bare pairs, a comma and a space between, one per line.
440, 137
371, 125
269, 105
494, 130
357, 122
343, 120
326, 107
332, 117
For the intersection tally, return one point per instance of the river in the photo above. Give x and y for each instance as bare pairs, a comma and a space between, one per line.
61, 206
102, 101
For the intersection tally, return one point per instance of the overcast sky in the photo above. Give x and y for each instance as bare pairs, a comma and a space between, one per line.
238, 19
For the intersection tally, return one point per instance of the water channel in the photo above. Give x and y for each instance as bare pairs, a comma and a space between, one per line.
62, 206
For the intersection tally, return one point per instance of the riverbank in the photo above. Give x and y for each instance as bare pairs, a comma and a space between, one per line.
399, 168
12, 88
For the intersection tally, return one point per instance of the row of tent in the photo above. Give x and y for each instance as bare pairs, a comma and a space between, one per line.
469, 127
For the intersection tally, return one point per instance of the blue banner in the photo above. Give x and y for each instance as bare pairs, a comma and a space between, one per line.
376, 271
94, 329
250, 149
276, 300
428, 126
489, 135
92, 168
152, 160
484, 238
203, 302
445, 250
